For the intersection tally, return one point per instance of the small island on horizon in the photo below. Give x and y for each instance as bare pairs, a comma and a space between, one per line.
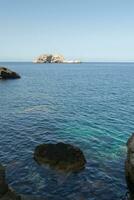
53, 58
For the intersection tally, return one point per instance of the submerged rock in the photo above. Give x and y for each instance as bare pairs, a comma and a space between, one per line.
129, 166
8, 74
61, 156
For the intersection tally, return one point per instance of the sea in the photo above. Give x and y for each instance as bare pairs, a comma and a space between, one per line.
89, 105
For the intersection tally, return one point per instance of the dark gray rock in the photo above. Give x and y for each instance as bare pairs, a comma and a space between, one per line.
129, 166
8, 74
61, 156
3, 184
11, 195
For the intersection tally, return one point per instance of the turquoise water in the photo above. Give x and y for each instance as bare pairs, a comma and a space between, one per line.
90, 105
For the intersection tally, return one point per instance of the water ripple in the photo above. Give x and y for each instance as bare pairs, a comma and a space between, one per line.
88, 105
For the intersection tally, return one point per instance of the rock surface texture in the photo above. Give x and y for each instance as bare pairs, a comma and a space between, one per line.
129, 166
3, 185
49, 58
61, 156
8, 74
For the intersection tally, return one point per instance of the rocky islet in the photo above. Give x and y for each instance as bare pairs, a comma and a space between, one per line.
6, 73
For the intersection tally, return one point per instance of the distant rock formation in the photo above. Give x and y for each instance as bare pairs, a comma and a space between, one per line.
8, 74
55, 58
49, 58
129, 166
61, 156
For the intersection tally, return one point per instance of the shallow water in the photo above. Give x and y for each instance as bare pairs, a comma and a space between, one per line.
90, 105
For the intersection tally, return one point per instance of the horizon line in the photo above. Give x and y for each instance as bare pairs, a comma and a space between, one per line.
101, 61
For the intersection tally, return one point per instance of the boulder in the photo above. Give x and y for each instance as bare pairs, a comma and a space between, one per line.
129, 166
61, 156
8, 74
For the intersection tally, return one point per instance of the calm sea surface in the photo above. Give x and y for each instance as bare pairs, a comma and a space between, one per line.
89, 105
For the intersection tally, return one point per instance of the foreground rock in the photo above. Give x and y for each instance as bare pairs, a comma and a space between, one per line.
61, 156
8, 74
3, 184
129, 166
7, 193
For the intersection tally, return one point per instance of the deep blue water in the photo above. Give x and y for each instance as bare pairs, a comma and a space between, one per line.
90, 105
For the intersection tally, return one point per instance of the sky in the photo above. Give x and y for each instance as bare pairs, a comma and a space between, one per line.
89, 30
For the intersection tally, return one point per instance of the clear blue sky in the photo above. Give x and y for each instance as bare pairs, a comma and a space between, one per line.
94, 30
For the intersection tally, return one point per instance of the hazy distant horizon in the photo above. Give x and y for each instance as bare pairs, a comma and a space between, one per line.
69, 58
90, 61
